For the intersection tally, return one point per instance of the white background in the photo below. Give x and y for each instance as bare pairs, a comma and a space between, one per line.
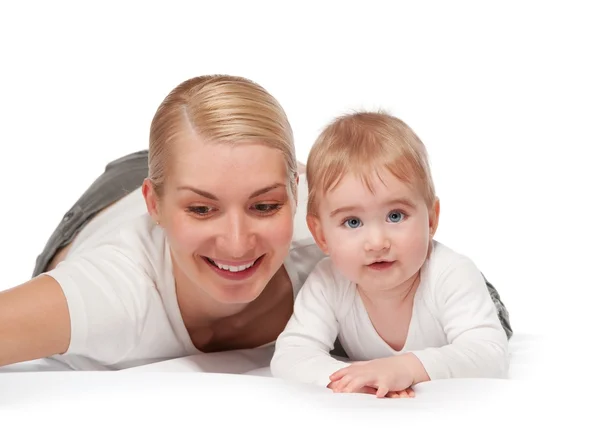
504, 94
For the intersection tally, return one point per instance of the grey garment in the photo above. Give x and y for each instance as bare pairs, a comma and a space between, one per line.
500, 308
121, 177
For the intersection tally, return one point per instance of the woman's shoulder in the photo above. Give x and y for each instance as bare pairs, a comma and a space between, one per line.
134, 252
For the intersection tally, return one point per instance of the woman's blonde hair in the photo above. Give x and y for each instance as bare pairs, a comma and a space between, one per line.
363, 144
223, 109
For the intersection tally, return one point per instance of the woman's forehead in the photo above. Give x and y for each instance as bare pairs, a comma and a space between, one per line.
200, 149
223, 166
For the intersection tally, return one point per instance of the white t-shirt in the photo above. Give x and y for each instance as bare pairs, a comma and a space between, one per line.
119, 286
454, 329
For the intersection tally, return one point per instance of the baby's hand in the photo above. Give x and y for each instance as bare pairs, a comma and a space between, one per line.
407, 393
383, 376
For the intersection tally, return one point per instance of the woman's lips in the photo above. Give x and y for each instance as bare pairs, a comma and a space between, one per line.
235, 271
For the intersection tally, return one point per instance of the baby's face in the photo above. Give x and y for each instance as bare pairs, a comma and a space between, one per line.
378, 239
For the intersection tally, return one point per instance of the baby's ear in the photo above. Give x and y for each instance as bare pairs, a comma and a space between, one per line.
316, 229
434, 217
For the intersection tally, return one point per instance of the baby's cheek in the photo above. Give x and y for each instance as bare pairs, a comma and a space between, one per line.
415, 248
347, 260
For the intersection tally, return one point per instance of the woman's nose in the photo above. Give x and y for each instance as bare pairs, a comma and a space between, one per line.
237, 239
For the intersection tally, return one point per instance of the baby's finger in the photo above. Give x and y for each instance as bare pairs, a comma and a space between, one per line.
382, 391
343, 383
334, 386
356, 382
367, 390
410, 392
343, 371
339, 374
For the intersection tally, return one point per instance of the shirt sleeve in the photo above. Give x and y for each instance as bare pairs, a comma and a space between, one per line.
477, 345
302, 349
107, 297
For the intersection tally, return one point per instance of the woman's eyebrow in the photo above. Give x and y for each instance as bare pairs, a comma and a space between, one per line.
266, 190
202, 193
211, 196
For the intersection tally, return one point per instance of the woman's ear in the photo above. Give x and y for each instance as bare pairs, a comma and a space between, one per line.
316, 229
152, 203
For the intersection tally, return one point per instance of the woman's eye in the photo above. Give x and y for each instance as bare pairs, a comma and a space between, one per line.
267, 208
395, 217
353, 223
200, 210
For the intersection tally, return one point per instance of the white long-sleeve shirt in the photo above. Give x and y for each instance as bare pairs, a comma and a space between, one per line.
454, 329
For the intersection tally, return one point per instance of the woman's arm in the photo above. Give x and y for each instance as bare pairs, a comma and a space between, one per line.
34, 321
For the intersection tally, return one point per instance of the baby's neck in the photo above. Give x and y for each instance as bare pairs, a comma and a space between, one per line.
393, 297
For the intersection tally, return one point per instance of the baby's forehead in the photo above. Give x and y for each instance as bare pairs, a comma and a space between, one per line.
374, 190
375, 181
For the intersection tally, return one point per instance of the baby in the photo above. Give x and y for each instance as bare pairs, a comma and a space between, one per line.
405, 308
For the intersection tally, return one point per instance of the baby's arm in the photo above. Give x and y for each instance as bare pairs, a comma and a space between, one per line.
477, 344
302, 349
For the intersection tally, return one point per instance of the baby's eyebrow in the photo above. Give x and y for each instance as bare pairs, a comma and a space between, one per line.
402, 201
353, 208
344, 210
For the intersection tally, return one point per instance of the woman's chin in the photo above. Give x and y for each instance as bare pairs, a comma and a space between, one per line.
243, 293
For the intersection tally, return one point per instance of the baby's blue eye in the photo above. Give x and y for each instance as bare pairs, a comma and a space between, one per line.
395, 216
353, 223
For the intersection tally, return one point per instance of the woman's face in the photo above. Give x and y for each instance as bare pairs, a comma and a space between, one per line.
228, 216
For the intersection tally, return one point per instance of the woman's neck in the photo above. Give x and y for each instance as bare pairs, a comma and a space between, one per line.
214, 326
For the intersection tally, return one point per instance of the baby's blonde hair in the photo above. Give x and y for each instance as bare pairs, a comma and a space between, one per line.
223, 109
363, 143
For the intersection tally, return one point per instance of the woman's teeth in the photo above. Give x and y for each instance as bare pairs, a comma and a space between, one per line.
232, 268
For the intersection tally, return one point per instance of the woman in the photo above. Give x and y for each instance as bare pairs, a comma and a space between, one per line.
198, 245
